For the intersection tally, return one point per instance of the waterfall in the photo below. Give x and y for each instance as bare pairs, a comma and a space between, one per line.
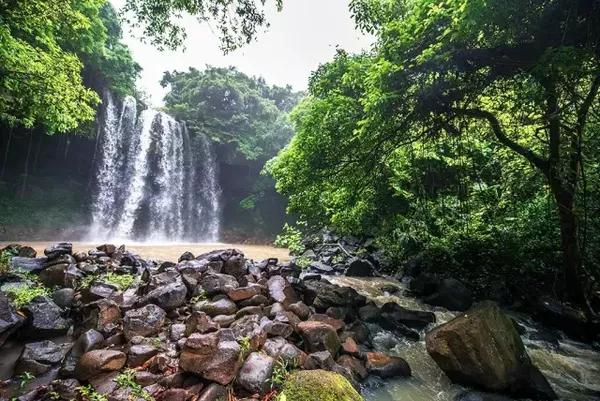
153, 181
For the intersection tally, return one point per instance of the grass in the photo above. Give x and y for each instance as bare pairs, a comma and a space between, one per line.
89, 394
281, 371
121, 281
24, 294
126, 379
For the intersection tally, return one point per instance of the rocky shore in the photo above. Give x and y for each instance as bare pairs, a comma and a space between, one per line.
109, 325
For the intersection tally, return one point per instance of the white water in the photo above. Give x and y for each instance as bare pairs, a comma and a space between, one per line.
153, 182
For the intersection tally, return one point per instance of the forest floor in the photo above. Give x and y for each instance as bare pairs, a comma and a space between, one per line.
172, 251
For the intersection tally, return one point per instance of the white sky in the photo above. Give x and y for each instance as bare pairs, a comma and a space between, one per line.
302, 36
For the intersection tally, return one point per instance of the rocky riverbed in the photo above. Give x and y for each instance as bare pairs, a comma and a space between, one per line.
107, 324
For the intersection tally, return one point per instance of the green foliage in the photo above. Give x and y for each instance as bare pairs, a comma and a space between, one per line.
237, 21
291, 238
126, 379
245, 347
25, 378
21, 295
122, 281
89, 394
231, 107
5, 257
281, 371
317, 385
443, 135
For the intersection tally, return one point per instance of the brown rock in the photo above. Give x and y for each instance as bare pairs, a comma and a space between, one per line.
211, 358
385, 366
94, 363
319, 336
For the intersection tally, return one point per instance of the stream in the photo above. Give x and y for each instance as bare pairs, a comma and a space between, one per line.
572, 368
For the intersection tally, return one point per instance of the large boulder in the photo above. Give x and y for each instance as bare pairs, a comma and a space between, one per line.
146, 321
56, 250
44, 320
27, 265
318, 385
211, 357
482, 348
37, 358
322, 294
169, 296
255, 373
360, 268
386, 366
281, 291
10, 320
319, 336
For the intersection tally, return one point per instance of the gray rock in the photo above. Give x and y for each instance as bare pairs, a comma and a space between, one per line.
146, 321
64, 297
281, 291
44, 320
451, 294
222, 306
37, 358
216, 283
27, 265
168, 297
56, 250
255, 373
10, 320
360, 268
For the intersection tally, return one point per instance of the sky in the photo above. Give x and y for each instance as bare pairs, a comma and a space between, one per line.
302, 36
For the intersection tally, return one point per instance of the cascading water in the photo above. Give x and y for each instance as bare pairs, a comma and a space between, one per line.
153, 182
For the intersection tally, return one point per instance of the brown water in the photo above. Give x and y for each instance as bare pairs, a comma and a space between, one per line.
172, 251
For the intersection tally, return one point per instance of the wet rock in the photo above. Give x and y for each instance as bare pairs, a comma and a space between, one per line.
199, 322
99, 290
321, 267
94, 363
216, 283
386, 366
186, 256
424, 285
337, 324
168, 297
108, 249
103, 315
256, 300
451, 294
479, 396
140, 353
87, 341
355, 366
280, 349
300, 309
369, 313
564, 317
410, 318
10, 320
37, 358
243, 293
224, 320
319, 336
249, 310
214, 392
211, 358
44, 320
461, 348
319, 360
66, 389
221, 306
322, 294
27, 265
255, 373
56, 250
277, 329
60, 260
360, 268
350, 347
146, 321
281, 291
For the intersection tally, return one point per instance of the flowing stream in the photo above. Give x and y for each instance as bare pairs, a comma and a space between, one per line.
572, 368
153, 182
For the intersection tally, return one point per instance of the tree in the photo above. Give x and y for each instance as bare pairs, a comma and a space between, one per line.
444, 69
238, 21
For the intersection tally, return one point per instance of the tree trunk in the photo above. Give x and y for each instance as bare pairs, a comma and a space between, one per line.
6, 152
26, 173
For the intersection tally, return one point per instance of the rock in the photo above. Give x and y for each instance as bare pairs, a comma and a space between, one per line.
224, 320
94, 363
279, 349
27, 265
461, 348
424, 285
479, 396
321, 267
56, 250
451, 294
256, 372
67, 389
318, 385
276, 328
256, 300
300, 309
186, 256
322, 294
99, 290
248, 310
355, 366
211, 358
87, 341
10, 320
281, 291
199, 322
64, 297
221, 306
138, 354
168, 297
369, 313
216, 283
214, 392
350, 347
359, 268
319, 360
564, 317
44, 320
386, 366
410, 318
243, 293
146, 321
319, 336
103, 315
108, 249
337, 324
37, 358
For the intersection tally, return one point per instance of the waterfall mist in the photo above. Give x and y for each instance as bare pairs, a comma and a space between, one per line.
153, 182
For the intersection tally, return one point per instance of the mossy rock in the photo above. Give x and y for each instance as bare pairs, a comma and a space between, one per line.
318, 385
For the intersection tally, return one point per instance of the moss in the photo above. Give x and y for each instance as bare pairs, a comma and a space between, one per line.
318, 385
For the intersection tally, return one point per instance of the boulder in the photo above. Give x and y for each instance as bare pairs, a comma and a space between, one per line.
451, 294
300, 309
216, 283
168, 297
186, 256
56, 250
281, 291
10, 320
482, 348
214, 392
322, 294
280, 349
94, 363
386, 366
222, 306
355, 366
360, 268
319, 336
103, 315
27, 265
318, 385
211, 357
44, 320
243, 293
199, 322
255, 373
146, 321
479, 396
37, 358
564, 317
140, 353
410, 318
64, 297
